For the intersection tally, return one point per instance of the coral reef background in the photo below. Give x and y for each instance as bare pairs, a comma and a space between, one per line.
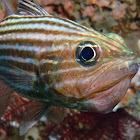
118, 16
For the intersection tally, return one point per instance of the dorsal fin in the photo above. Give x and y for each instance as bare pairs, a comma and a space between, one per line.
27, 7
8, 9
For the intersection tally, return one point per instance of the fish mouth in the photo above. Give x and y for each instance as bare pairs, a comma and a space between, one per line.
107, 89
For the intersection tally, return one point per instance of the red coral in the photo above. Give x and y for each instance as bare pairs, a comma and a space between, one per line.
92, 126
77, 125
16, 108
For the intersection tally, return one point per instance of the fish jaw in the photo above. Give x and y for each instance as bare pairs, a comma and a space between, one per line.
108, 86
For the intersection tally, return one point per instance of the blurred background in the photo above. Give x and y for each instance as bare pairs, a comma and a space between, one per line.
116, 16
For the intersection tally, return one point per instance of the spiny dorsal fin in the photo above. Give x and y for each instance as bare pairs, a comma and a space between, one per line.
27, 7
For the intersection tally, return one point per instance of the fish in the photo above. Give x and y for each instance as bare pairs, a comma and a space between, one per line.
60, 64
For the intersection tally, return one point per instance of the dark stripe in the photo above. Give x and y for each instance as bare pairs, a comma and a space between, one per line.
17, 53
34, 42
110, 44
115, 41
49, 22
47, 32
24, 66
41, 21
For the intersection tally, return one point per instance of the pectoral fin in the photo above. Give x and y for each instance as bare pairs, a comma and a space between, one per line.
56, 114
5, 97
32, 114
19, 80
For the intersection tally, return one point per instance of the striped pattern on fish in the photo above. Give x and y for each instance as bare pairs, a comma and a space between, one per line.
58, 63
48, 25
42, 30
36, 42
27, 40
36, 33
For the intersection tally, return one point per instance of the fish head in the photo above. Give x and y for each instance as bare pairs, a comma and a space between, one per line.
95, 72
113, 68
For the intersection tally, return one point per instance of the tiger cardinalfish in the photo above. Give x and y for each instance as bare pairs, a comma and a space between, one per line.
60, 64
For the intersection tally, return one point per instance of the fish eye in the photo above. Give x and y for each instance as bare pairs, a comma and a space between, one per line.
87, 53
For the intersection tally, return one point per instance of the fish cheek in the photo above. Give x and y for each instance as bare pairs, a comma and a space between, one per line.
66, 82
67, 73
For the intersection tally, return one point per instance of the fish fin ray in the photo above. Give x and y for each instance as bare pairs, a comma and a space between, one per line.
29, 8
32, 114
16, 78
56, 114
5, 96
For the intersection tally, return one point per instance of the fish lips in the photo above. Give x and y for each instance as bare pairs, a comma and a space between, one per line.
108, 89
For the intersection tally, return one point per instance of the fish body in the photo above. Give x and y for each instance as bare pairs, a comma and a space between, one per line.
58, 63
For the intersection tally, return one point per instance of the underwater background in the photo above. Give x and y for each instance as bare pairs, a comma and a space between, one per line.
116, 16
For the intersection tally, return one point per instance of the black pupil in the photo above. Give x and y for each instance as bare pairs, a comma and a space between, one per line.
87, 53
